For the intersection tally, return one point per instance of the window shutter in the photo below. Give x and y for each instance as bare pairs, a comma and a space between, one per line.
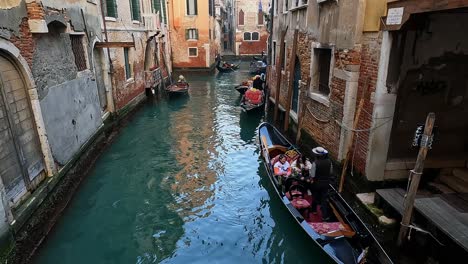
260, 17
196, 6
196, 33
187, 34
164, 13
135, 9
157, 7
241, 18
111, 8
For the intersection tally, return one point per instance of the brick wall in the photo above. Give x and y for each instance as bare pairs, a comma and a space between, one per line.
370, 56
24, 42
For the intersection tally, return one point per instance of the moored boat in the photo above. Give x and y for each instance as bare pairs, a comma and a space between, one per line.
178, 88
257, 67
343, 237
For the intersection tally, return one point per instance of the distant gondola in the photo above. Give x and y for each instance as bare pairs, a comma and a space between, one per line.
344, 238
178, 88
257, 67
244, 86
226, 69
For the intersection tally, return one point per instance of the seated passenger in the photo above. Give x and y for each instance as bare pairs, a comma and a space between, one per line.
258, 82
282, 167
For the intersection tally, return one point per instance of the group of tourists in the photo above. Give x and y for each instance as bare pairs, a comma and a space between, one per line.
255, 93
315, 176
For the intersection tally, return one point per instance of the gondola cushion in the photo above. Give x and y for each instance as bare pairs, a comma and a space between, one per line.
324, 227
300, 203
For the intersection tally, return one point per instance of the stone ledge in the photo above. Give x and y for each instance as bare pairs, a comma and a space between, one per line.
38, 26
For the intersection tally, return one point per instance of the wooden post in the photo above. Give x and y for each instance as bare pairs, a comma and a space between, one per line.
301, 113
278, 75
415, 177
292, 64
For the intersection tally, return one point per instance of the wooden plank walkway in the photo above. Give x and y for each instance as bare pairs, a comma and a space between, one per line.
448, 212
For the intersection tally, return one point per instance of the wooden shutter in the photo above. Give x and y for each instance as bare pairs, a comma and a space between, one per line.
135, 5
241, 18
111, 8
196, 33
260, 17
163, 13
187, 33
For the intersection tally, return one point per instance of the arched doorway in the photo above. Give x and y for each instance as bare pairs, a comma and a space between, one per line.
297, 78
21, 159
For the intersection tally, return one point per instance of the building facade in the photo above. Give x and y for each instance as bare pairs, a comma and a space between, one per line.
66, 67
251, 33
138, 45
193, 34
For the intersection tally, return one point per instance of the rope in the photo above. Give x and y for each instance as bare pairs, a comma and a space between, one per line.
318, 119
362, 130
411, 227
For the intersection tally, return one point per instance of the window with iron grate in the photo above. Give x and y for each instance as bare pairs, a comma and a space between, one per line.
78, 52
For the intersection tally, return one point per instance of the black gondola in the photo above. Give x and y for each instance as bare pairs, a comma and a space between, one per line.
226, 69
257, 67
247, 106
346, 240
243, 87
178, 88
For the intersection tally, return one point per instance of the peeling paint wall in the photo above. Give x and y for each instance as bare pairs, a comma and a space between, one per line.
72, 114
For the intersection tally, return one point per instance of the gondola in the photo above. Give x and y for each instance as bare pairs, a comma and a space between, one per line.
249, 107
257, 67
226, 69
178, 88
344, 237
243, 87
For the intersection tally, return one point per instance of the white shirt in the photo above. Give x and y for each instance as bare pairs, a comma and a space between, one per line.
283, 167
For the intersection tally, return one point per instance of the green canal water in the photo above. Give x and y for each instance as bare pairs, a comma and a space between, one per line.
182, 183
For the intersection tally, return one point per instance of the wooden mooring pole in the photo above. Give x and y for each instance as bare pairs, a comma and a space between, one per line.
415, 177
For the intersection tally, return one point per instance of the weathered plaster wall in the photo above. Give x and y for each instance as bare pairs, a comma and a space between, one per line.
11, 15
52, 68
71, 114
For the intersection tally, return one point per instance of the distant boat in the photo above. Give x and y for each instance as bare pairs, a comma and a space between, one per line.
178, 88
221, 68
257, 67
344, 237
244, 86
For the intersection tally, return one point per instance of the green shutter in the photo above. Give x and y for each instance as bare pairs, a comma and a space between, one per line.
111, 8
186, 34
196, 33
164, 13
135, 6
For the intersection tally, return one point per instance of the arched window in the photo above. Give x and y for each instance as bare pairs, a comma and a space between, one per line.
260, 17
247, 36
241, 18
255, 36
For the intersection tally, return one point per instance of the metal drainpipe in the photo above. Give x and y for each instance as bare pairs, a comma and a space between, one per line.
111, 66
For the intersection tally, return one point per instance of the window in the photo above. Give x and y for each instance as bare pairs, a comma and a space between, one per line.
255, 36
273, 61
299, 3
275, 10
211, 5
260, 17
247, 36
191, 33
192, 7
110, 8
241, 18
135, 9
323, 58
128, 71
78, 52
285, 6
225, 45
193, 52
160, 6
209, 32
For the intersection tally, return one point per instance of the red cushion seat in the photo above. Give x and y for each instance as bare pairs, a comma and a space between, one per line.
300, 203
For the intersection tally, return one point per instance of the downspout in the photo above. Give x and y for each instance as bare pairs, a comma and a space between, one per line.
111, 66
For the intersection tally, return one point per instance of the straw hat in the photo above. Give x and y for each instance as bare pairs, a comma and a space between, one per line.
319, 151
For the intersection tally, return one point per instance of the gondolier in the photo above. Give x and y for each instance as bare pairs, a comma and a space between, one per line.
321, 172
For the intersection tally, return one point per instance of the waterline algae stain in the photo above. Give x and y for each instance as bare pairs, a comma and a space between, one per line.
181, 184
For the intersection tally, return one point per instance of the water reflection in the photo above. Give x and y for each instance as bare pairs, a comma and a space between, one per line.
248, 123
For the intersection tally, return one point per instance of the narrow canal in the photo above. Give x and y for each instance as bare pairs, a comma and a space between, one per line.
182, 183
